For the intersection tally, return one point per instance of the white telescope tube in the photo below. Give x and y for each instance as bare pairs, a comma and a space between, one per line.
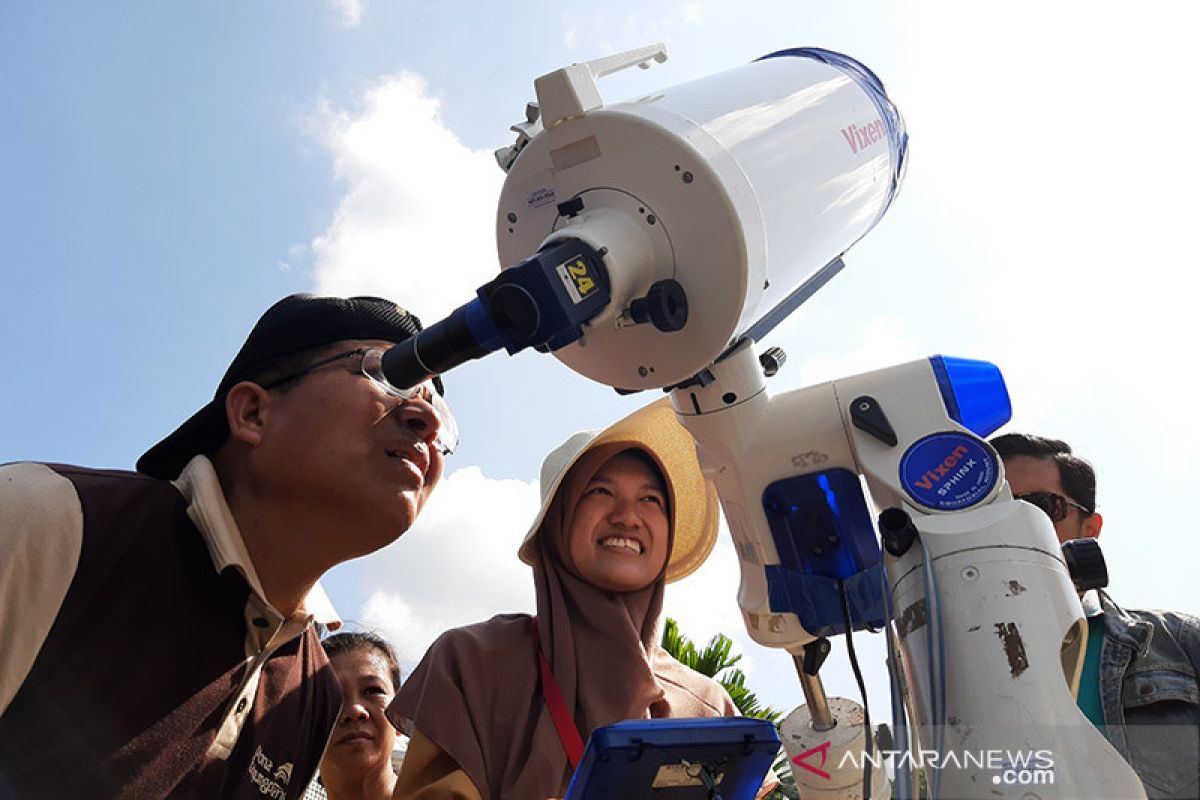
745, 184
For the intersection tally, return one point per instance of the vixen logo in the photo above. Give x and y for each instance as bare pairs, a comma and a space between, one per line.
948, 471
823, 750
936, 474
862, 138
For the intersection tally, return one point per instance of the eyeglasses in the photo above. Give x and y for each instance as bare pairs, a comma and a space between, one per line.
371, 366
1054, 504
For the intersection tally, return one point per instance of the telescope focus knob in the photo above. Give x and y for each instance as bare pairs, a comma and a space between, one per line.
665, 305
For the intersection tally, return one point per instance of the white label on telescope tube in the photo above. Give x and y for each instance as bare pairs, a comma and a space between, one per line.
575, 153
541, 196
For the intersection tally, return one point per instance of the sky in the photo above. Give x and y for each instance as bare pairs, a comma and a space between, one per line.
170, 170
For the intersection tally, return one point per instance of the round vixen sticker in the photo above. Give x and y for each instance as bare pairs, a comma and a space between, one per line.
948, 471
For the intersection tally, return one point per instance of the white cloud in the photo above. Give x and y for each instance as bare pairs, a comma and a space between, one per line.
705, 602
352, 11
457, 565
608, 31
884, 342
416, 221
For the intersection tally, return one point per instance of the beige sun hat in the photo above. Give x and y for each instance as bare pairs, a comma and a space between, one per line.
654, 428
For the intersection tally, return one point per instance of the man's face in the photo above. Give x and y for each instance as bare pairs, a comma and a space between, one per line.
1032, 474
345, 455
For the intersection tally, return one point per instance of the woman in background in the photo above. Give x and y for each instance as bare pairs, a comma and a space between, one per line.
358, 761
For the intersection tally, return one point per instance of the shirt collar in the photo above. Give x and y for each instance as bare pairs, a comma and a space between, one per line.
1090, 600
201, 487
1126, 628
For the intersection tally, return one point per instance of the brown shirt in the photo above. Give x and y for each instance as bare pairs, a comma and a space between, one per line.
163, 671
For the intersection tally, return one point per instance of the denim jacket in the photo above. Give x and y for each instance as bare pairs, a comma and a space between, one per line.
1149, 663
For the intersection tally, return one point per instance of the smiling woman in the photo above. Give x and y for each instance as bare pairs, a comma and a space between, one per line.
619, 531
624, 511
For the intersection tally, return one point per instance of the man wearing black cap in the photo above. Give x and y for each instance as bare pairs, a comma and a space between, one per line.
159, 630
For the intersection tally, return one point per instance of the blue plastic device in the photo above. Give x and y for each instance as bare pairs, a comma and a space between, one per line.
655, 759
823, 533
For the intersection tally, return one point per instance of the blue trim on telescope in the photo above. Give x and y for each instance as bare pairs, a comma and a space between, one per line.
973, 392
816, 600
835, 59
479, 322
870, 83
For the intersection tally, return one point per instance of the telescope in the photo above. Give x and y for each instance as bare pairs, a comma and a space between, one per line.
672, 225
651, 244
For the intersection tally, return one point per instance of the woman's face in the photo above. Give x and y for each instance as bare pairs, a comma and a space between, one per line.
620, 533
363, 737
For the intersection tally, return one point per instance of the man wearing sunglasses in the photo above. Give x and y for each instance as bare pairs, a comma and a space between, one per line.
159, 630
1139, 682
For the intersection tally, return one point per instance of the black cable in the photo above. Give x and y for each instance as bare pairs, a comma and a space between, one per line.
862, 690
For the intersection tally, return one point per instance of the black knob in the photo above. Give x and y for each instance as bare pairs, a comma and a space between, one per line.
665, 305
867, 415
883, 737
772, 359
897, 531
815, 653
1085, 563
570, 208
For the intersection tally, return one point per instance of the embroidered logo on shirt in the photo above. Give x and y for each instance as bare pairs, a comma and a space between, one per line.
262, 769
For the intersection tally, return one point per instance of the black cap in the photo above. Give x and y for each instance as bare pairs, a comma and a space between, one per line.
296, 323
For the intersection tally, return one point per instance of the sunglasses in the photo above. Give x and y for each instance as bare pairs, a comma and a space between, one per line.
371, 366
1055, 505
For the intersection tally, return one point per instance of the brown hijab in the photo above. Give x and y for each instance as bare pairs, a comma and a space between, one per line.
477, 692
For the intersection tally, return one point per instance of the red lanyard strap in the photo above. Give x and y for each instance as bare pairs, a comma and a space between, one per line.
568, 734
